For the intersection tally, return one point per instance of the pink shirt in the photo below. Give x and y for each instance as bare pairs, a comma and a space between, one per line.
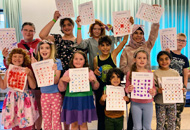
128, 82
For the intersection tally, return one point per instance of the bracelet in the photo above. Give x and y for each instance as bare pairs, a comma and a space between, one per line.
78, 28
54, 75
54, 20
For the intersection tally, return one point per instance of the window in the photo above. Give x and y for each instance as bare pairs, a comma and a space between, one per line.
1, 26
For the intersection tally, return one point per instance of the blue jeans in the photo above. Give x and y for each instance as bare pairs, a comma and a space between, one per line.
142, 115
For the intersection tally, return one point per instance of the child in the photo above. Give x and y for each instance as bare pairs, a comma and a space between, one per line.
180, 63
78, 108
19, 108
141, 109
106, 61
162, 109
113, 119
50, 97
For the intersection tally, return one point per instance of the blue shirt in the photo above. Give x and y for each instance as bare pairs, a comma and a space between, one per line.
52, 88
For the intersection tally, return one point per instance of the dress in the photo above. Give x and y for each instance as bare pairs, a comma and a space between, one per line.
19, 109
78, 106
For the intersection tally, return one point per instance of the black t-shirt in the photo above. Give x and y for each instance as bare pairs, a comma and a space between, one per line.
179, 62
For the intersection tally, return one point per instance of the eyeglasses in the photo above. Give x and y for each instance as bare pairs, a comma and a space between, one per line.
183, 41
30, 31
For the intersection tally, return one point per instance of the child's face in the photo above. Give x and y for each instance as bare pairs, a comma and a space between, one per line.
181, 42
45, 51
78, 60
96, 31
141, 59
17, 59
138, 36
115, 80
67, 27
164, 62
28, 32
105, 48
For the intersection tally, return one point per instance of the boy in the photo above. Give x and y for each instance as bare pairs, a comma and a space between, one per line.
106, 61
181, 64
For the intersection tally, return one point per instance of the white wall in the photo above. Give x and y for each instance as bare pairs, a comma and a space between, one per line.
39, 12
1, 4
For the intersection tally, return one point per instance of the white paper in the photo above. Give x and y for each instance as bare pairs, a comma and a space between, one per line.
168, 38
150, 13
121, 23
114, 100
172, 92
44, 73
65, 8
8, 38
16, 78
142, 82
79, 80
86, 13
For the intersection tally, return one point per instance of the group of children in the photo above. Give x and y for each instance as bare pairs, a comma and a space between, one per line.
20, 108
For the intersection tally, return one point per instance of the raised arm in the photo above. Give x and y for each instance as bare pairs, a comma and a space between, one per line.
44, 33
79, 34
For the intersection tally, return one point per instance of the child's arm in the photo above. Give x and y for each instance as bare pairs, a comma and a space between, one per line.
93, 80
122, 44
5, 53
1, 82
185, 76
126, 98
4, 85
128, 86
44, 33
96, 67
30, 78
103, 99
57, 74
79, 34
64, 80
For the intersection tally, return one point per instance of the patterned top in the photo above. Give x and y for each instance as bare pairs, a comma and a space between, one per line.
65, 50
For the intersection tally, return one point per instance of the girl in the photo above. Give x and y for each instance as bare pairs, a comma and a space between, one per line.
141, 109
113, 119
28, 42
78, 108
50, 97
19, 108
162, 109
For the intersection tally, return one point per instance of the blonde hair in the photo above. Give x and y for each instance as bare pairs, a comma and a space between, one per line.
26, 61
52, 47
181, 34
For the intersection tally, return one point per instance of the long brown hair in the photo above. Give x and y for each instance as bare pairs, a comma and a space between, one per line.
134, 66
98, 22
26, 61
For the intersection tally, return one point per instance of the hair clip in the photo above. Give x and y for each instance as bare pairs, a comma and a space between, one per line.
47, 41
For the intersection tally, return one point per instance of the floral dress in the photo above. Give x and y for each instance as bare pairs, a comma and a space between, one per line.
19, 109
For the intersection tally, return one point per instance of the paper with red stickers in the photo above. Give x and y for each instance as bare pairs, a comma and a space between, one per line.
65, 8
44, 73
172, 92
8, 38
86, 13
114, 100
79, 80
168, 38
16, 78
150, 13
142, 82
121, 23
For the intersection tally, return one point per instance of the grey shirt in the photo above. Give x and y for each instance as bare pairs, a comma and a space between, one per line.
92, 46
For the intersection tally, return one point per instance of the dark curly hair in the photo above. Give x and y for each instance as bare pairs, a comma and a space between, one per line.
98, 22
104, 39
83, 54
26, 61
112, 71
65, 19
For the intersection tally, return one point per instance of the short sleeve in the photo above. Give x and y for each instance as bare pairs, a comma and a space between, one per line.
186, 63
59, 64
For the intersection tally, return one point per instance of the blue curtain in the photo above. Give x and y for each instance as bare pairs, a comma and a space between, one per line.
176, 14
12, 16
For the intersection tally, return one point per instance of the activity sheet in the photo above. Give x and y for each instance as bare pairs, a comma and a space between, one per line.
79, 80
168, 38
8, 38
44, 73
16, 78
142, 82
150, 13
86, 13
172, 92
114, 100
121, 23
